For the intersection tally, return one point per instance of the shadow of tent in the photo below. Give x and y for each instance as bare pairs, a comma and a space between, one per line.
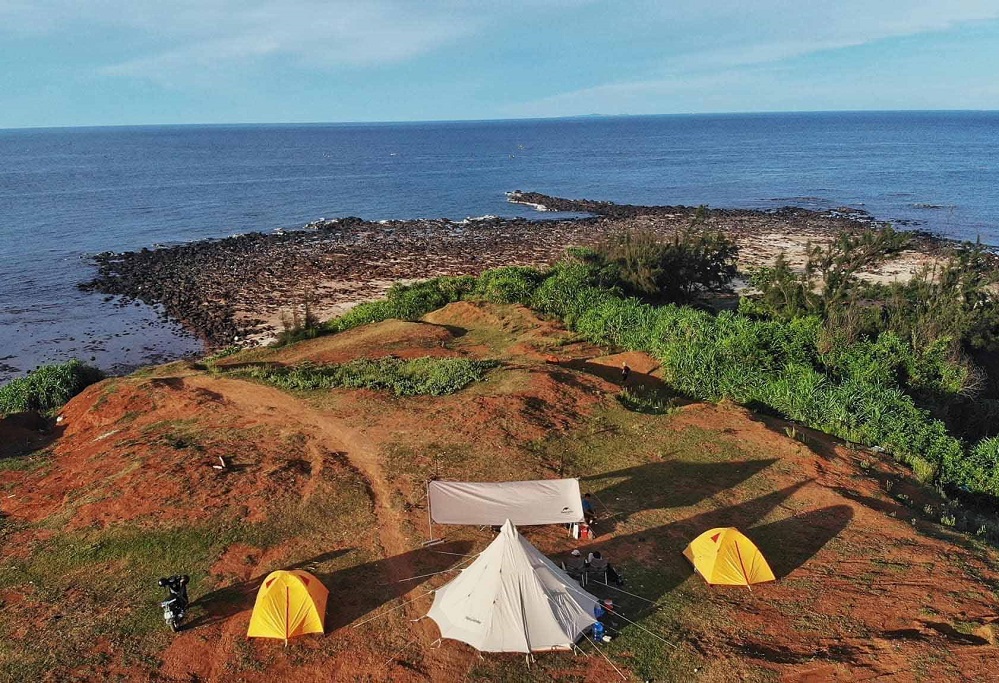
362, 589
819, 443
667, 543
688, 484
354, 591
886, 506
791, 542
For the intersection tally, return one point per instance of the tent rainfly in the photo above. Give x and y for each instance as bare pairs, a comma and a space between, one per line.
289, 604
546, 501
725, 556
513, 599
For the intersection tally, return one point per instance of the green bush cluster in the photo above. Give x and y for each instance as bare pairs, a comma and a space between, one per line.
48, 387
405, 302
932, 322
419, 376
667, 269
868, 389
849, 391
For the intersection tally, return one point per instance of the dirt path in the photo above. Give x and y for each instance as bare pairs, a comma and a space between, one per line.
275, 407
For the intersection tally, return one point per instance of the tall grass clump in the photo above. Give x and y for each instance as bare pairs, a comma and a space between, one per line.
508, 285
849, 390
48, 387
420, 376
794, 352
673, 268
405, 302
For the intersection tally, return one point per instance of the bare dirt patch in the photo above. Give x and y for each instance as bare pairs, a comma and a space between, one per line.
334, 482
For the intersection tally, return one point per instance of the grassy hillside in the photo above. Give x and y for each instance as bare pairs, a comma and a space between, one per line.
333, 479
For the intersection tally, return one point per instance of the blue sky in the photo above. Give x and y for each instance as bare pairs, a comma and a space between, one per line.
109, 62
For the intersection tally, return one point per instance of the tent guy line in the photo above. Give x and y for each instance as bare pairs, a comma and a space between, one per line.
604, 655
444, 571
389, 611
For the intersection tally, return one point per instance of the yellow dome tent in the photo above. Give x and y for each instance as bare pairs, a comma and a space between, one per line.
725, 556
289, 604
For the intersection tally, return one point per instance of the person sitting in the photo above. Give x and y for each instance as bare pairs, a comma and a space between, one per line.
598, 564
589, 515
574, 566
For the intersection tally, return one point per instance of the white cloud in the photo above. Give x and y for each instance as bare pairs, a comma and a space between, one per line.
725, 33
323, 35
684, 44
716, 54
199, 34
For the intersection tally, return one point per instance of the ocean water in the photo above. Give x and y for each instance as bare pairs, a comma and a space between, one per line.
69, 193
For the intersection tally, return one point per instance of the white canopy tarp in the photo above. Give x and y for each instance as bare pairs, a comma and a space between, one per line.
547, 501
513, 599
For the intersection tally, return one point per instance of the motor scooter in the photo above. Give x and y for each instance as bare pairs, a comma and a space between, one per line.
175, 606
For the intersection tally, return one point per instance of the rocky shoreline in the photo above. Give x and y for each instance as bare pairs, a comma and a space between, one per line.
237, 290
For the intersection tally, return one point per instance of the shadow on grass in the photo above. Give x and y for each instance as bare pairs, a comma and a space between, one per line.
354, 592
454, 330
791, 542
686, 483
818, 442
666, 543
648, 382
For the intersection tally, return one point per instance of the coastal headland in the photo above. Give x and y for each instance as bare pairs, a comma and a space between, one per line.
237, 290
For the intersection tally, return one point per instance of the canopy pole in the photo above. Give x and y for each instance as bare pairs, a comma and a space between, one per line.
430, 521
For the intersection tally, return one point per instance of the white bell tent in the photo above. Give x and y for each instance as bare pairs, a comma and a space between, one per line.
513, 599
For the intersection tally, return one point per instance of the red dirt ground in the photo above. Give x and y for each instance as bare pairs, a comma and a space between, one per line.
865, 589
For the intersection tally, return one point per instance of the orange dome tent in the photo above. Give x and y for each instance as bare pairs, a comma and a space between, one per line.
289, 604
725, 556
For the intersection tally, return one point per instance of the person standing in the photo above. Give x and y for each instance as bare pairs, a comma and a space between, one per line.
589, 515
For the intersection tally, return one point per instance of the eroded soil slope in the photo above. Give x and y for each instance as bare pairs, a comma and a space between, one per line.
334, 482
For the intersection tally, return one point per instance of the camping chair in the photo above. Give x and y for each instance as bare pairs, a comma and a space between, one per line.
577, 573
597, 567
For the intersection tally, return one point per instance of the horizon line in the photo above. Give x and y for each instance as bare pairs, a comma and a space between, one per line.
389, 122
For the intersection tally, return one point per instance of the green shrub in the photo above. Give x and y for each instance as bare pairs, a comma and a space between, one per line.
812, 369
48, 387
667, 269
405, 302
852, 390
979, 471
509, 285
420, 376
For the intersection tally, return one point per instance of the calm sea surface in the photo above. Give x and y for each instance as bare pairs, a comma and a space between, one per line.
68, 193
